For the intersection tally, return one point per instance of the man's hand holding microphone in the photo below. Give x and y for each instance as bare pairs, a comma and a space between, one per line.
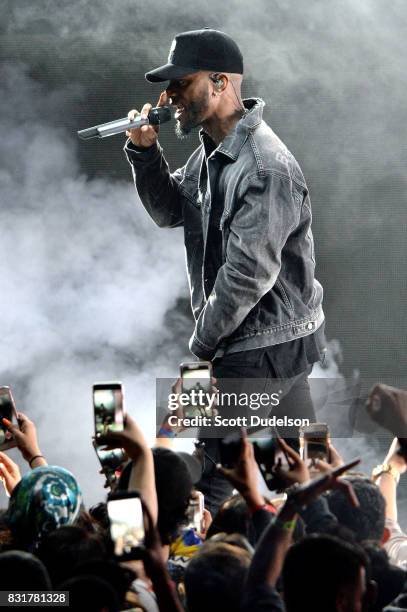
146, 135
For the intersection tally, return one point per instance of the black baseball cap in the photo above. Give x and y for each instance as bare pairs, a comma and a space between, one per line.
199, 50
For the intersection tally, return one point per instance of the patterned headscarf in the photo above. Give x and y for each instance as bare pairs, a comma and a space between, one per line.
46, 498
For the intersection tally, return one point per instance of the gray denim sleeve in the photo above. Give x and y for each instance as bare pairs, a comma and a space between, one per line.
265, 216
156, 186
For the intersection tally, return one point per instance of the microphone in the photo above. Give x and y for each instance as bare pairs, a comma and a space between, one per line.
157, 115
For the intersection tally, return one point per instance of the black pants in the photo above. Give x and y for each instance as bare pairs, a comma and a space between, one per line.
295, 401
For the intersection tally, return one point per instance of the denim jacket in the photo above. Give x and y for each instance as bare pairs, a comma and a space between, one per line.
265, 292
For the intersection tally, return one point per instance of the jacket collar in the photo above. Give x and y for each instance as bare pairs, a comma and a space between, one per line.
235, 140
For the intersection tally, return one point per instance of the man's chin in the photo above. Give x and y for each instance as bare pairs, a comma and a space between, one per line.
182, 130
179, 131
183, 126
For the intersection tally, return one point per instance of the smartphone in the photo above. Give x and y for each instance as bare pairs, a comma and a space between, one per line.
314, 442
111, 462
126, 519
268, 453
108, 406
195, 511
196, 376
265, 450
229, 449
7, 411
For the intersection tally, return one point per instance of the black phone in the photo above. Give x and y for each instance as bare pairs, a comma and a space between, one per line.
268, 454
7, 411
108, 407
229, 449
126, 519
111, 462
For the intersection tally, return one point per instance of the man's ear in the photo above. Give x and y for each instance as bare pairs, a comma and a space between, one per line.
220, 82
385, 536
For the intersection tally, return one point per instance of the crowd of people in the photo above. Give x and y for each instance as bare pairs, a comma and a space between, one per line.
329, 542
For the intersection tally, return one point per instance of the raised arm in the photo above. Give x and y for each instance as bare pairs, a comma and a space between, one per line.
25, 435
268, 560
159, 190
388, 476
142, 478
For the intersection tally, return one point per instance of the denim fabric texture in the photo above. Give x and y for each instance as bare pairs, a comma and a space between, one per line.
252, 190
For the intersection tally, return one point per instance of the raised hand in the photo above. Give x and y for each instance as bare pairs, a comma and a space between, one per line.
25, 435
298, 471
335, 460
147, 135
301, 495
245, 475
131, 439
388, 407
9, 473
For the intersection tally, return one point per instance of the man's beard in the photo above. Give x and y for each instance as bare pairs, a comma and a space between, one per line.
193, 117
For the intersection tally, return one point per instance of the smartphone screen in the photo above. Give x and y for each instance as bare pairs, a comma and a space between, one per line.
197, 381
111, 462
126, 525
196, 376
314, 442
108, 407
7, 411
267, 454
110, 459
195, 511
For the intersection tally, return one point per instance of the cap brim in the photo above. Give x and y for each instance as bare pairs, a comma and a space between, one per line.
168, 73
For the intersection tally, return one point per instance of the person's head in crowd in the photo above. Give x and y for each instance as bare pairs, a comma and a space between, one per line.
6, 540
46, 498
235, 539
324, 574
91, 593
232, 517
86, 521
215, 578
368, 520
119, 577
20, 570
99, 514
390, 580
340, 531
63, 549
175, 475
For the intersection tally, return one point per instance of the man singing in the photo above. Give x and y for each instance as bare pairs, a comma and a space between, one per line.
244, 205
